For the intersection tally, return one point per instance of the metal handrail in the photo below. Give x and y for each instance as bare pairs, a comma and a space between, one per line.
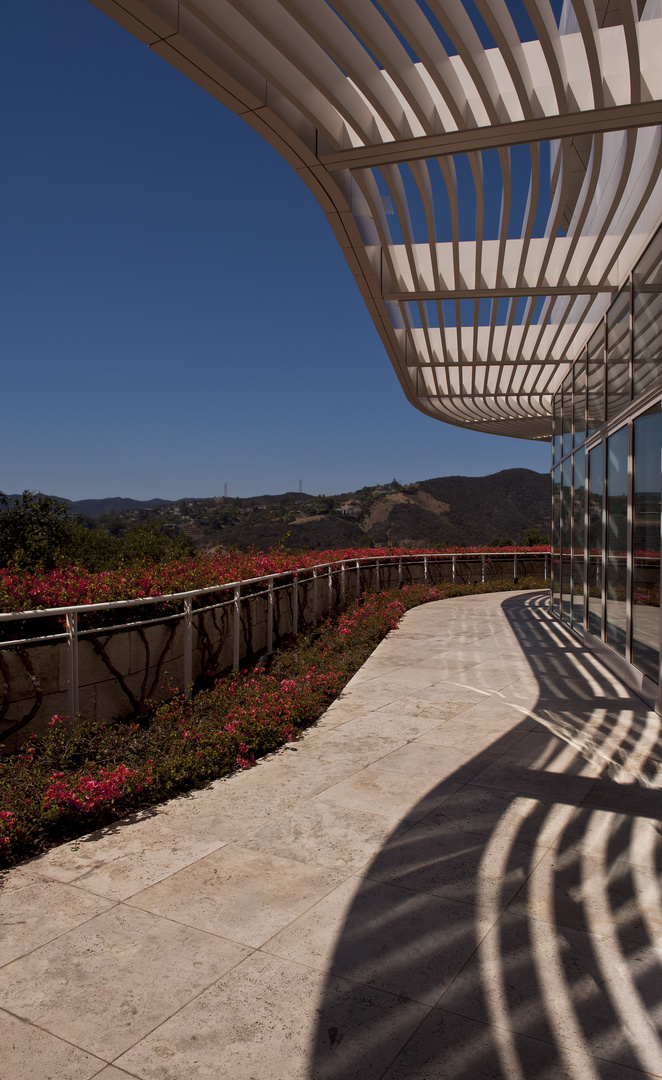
72, 633
105, 605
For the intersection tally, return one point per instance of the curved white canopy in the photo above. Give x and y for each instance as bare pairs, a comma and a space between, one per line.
490, 175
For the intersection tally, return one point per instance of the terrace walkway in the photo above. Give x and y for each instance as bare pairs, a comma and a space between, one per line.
455, 874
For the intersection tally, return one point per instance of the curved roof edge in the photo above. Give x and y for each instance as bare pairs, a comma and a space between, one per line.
489, 192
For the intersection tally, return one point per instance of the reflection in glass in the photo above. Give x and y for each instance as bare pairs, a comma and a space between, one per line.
617, 517
578, 507
566, 529
556, 428
648, 317
579, 402
596, 381
595, 481
646, 543
567, 414
556, 539
618, 354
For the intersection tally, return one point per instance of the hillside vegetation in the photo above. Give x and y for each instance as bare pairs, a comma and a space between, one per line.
508, 506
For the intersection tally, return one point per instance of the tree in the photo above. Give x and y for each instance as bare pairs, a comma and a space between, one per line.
35, 530
535, 537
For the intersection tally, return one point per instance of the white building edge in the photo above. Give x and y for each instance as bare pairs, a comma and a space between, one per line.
414, 138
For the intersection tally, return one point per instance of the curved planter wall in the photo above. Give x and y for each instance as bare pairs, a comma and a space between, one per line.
119, 670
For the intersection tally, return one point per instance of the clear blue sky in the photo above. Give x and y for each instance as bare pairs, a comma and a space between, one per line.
177, 314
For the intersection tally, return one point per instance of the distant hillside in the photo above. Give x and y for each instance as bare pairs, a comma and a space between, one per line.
453, 510
94, 507
465, 509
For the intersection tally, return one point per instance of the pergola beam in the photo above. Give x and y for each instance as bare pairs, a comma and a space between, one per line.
498, 294
541, 129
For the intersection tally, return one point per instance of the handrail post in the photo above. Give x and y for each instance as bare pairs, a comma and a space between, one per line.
72, 664
482, 569
314, 597
425, 569
188, 646
545, 578
400, 572
295, 605
453, 571
376, 575
237, 627
515, 567
358, 579
270, 617
343, 583
330, 588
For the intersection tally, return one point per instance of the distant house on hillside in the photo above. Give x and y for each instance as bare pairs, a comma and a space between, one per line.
350, 509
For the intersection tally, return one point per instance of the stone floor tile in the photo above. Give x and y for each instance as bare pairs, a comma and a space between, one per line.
389, 792
451, 690
450, 1047
112, 1073
536, 748
246, 896
407, 943
422, 758
325, 834
39, 911
234, 807
28, 1053
587, 893
470, 737
629, 837
453, 863
488, 810
105, 984
487, 677
261, 1020
336, 746
565, 987
367, 698
126, 856
401, 722
500, 713
537, 783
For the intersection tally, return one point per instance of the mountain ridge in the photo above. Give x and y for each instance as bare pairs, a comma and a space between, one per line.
454, 510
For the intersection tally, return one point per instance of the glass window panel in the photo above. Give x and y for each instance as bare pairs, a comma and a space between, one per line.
567, 414
618, 354
596, 380
595, 482
556, 428
617, 516
566, 530
556, 538
648, 317
578, 509
579, 402
646, 543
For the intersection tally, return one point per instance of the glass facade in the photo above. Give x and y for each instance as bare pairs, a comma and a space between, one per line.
607, 476
617, 539
596, 471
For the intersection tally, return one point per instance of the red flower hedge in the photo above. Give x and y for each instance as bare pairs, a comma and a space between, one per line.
71, 585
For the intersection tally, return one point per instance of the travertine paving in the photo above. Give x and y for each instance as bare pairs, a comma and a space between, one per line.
454, 876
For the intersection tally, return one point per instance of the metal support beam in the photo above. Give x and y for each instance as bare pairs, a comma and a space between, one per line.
72, 664
188, 646
237, 627
515, 133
